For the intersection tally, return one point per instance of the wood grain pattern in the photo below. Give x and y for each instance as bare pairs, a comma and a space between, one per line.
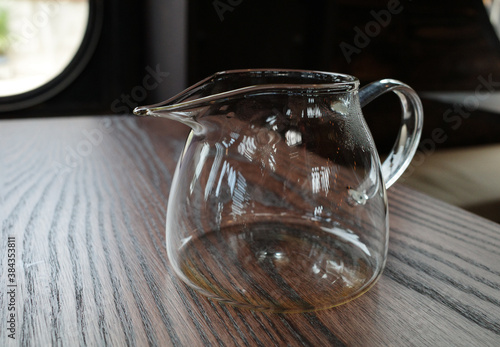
86, 199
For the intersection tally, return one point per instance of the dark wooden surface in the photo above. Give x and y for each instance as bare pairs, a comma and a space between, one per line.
85, 199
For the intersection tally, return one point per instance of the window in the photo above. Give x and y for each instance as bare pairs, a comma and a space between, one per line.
44, 45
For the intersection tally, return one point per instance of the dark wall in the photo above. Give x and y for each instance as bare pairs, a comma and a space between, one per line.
256, 34
434, 45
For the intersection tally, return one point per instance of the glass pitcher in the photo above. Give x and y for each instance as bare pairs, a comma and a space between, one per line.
278, 202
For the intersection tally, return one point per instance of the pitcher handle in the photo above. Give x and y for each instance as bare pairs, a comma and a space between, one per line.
412, 120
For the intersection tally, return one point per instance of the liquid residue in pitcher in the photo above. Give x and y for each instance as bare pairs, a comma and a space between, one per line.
278, 267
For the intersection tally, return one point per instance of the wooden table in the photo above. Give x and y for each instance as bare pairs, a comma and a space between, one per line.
84, 201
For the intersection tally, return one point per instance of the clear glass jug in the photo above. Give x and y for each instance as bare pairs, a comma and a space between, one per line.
278, 202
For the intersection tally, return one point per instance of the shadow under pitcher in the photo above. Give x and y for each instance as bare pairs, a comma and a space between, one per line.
278, 202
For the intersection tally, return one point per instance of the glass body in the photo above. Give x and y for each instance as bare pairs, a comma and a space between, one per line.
278, 202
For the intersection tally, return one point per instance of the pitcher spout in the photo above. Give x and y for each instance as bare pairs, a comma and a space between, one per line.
169, 111
183, 107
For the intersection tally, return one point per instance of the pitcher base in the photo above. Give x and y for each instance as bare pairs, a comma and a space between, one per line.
279, 267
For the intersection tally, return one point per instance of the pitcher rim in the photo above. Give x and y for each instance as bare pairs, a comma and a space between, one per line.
345, 83
348, 79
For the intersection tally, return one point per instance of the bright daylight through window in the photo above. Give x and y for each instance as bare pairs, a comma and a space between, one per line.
38, 39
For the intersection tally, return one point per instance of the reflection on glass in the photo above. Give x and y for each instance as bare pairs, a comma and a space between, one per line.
38, 39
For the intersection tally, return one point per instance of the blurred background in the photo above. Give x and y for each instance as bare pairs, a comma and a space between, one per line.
81, 57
